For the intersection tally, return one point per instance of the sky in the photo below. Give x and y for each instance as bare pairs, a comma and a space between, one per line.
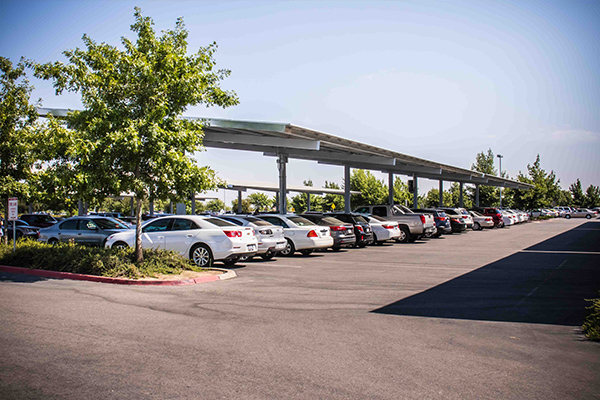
439, 80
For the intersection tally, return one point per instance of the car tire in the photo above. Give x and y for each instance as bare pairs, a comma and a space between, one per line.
201, 255
268, 255
53, 241
404, 235
336, 248
306, 252
289, 249
587, 216
476, 226
231, 262
412, 238
119, 245
567, 216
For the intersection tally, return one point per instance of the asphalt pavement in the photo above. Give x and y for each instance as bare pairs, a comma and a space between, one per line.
479, 315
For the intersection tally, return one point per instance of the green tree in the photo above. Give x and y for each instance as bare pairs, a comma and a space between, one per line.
18, 129
489, 196
246, 206
300, 204
545, 192
373, 191
565, 198
432, 199
401, 193
260, 201
130, 137
577, 194
592, 196
216, 205
332, 202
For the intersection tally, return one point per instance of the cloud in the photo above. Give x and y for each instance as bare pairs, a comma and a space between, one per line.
575, 136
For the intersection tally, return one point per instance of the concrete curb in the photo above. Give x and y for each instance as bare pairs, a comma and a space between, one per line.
228, 274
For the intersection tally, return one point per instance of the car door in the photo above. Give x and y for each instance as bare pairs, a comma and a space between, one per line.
380, 211
181, 235
89, 233
67, 230
154, 233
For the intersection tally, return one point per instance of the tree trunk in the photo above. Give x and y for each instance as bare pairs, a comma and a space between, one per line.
139, 255
5, 224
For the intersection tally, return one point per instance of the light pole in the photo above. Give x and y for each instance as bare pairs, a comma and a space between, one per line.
500, 156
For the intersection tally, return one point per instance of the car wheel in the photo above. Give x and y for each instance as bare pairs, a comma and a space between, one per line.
201, 255
268, 255
412, 238
476, 226
52, 241
587, 216
336, 248
289, 249
306, 252
232, 261
404, 235
119, 245
567, 216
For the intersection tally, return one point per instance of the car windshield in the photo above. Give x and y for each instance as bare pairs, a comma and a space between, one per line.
219, 222
109, 223
45, 218
258, 222
331, 221
397, 211
361, 219
301, 221
476, 214
406, 210
377, 218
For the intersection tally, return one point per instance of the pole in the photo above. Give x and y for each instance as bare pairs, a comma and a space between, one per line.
415, 192
346, 188
441, 193
391, 188
500, 159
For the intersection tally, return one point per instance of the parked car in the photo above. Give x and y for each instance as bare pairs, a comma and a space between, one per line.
442, 221
508, 219
480, 221
194, 237
491, 212
23, 230
412, 225
464, 215
362, 229
341, 232
270, 237
301, 234
582, 213
39, 220
457, 222
87, 230
383, 229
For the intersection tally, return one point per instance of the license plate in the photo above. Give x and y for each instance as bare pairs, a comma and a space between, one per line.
280, 245
251, 247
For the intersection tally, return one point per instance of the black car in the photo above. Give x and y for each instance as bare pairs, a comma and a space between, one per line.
341, 232
23, 230
456, 220
362, 229
442, 221
39, 220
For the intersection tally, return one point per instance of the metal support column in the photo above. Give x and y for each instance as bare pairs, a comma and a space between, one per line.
80, 208
151, 207
441, 193
239, 210
282, 160
476, 195
346, 188
132, 206
308, 201
390, 188
193, 203
415, 192
460, 195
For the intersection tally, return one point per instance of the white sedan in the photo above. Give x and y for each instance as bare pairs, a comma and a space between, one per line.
301, 234
194, 237
383, 230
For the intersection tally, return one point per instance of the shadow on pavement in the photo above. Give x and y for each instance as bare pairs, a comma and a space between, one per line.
546, 283
20, 278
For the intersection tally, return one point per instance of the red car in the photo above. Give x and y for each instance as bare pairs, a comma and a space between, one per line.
492, 212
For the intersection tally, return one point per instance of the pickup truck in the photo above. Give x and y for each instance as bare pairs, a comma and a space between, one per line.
412, 225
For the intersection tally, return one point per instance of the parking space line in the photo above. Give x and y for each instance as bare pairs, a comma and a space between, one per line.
561, 252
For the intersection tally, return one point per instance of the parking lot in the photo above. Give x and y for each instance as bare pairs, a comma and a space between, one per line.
493, 314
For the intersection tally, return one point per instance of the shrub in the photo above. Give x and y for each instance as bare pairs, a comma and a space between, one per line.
68, 257
591, 325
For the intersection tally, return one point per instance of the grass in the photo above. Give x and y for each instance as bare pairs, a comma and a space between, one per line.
68, 257
591, 325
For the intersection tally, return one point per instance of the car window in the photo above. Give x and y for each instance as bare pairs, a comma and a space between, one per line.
301, 221
382, 211
396, 211
360, 219
219, 222
180, 224
377, 218
233, 221
46, 218
70, 224
363, 210
331, 221
406, 210
87, 225
109, 223
275, 221
257, 221
160, 225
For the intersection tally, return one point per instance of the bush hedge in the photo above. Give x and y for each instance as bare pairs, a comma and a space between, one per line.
68, 257
591, 325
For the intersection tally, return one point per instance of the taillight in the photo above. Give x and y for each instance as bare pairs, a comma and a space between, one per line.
388, 226
337, 228
360, 228
265, 231
312, 234
488, 219
233, 233
440, 218
422, 218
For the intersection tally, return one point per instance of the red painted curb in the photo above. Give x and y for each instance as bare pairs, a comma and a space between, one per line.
103, 279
